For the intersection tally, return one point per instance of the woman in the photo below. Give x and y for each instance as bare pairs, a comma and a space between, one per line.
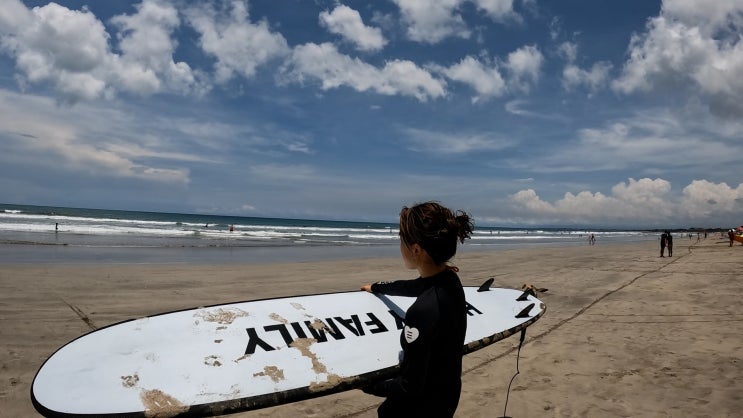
429, 381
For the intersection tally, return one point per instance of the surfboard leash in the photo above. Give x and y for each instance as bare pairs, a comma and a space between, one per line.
518, 355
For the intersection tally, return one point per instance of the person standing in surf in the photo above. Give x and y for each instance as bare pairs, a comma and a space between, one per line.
429, 382
669, 243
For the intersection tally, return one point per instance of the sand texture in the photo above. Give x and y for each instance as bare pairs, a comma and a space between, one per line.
626, 333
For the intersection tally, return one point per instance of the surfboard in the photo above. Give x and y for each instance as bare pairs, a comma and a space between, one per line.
248, 355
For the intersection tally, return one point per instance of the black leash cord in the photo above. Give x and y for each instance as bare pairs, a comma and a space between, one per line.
518, 355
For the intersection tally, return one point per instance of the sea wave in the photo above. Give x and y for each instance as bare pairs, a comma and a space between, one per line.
125, 228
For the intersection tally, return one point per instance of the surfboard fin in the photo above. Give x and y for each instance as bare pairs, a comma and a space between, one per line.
525, 296
486, 286
525, 312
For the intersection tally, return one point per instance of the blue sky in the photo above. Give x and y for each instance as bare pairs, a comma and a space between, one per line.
522, 112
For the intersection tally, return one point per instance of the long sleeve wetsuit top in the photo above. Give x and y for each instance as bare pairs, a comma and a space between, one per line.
429, 382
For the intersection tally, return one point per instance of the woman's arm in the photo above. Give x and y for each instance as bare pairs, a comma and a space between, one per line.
396, 288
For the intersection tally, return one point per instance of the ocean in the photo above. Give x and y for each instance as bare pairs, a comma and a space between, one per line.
45, 234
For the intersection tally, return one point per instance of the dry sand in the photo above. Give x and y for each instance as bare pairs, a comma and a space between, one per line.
626, 333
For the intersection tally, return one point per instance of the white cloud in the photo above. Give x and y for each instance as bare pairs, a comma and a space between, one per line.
595, 78
703, 199
66, 48
347, 22
497, 9
524, 65
652, 140
147, 49
692, 44
441, 143
13, 16
573, 76
398, 77
486, 81
238, 45
644, 202
644, 193
708, 14
434, 20
70, 50
71, 140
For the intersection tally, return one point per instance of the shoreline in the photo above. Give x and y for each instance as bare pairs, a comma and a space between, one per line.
22, 252
626, 333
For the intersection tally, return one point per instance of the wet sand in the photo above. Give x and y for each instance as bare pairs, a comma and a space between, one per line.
626, 333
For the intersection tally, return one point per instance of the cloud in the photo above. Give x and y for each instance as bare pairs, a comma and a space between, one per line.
13, 16
398, 77
82, 140
573, 76
522, 68
644, 202
147, 48
485, 80
70, 50
654, 139
704, 199
441, 143
435, 20
432, 21
657, 142
498, 10
524, 65
66, 48
347, 22
238, 45
692, 45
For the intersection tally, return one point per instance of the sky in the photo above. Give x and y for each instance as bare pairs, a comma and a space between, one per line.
521, 112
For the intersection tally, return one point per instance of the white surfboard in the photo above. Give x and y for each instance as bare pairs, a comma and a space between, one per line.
249, 355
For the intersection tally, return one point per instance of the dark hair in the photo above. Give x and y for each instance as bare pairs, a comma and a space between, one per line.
435, 228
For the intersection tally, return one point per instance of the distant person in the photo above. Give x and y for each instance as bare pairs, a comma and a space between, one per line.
731, 236
662, 243
56, 227
592, 240
429, 381
669, 243
232, 228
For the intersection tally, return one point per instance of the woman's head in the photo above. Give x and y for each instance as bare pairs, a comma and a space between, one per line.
435, 228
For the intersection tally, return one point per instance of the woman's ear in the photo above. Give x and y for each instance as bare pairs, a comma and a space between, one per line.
417, 251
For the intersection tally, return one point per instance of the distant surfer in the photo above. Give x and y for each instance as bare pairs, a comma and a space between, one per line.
429, 382
662, 243
669, 243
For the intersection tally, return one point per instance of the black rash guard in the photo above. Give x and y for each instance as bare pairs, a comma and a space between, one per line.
430, 381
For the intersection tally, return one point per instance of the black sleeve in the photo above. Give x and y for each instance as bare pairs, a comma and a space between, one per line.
399, 287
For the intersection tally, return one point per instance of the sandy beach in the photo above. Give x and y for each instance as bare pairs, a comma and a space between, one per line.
626, 333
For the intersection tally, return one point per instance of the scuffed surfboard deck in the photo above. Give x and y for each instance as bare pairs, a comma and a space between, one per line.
249, 355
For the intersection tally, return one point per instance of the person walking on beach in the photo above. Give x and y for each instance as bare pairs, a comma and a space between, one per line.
669, 243
662, 243
429, 381
731, 236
